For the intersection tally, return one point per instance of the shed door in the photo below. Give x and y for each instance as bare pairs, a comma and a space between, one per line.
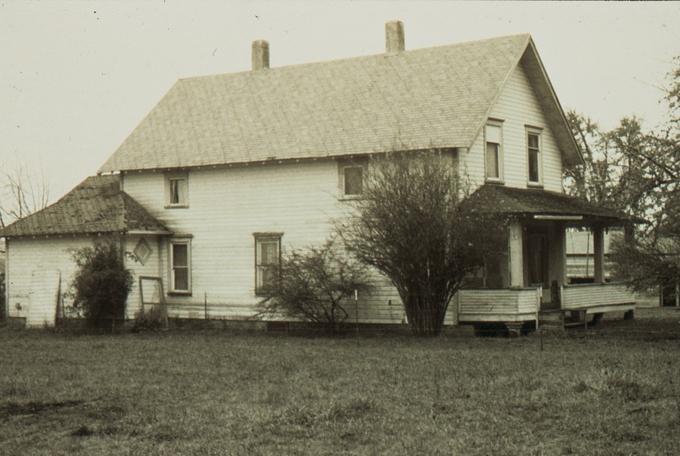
43, 298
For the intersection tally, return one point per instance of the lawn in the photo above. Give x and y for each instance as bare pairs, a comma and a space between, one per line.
611, 390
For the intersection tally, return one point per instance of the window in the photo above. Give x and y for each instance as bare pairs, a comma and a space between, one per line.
353, 180
493, 153
177, 189
267, 259
180, 266
534, 156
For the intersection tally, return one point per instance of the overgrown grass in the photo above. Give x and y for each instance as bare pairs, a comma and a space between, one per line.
612, 390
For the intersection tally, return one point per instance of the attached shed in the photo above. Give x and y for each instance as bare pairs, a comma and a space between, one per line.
40, 247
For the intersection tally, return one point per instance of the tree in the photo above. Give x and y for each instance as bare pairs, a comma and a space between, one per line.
102, 283
21, 194
412, 226
315, 285
637, 172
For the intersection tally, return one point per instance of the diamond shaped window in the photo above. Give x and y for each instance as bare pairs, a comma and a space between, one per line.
142, 251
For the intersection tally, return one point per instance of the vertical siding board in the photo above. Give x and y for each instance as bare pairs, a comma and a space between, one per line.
28, 255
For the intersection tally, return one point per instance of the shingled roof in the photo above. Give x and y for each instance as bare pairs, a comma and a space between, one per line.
528, 202
432, 97
96, 205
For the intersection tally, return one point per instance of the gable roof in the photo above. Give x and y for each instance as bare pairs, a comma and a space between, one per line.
512, 201
433, 97
96, 205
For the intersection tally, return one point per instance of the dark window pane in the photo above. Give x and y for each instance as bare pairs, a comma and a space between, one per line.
180, 255
182, 279
178, 191
533, 141
354, 180
533, 165
492, 160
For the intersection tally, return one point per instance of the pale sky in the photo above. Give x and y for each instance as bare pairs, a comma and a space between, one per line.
76, 77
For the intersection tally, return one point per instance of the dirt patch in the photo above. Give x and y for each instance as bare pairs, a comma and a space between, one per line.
34, 408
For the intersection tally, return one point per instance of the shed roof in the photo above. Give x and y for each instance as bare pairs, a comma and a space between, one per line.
529, 202
96, 205
417, 99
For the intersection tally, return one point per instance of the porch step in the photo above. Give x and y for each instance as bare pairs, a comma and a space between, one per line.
557, 318
551, 320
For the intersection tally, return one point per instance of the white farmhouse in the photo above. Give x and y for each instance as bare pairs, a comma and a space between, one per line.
228, 170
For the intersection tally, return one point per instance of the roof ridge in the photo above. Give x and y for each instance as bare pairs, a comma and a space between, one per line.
351, 106
357, 57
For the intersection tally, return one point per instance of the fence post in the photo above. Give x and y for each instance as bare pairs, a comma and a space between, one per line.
539, 296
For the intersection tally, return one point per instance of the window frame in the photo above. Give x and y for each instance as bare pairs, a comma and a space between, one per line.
171, 266
264, 237
351, 163
537, 131
168, 190
497, 123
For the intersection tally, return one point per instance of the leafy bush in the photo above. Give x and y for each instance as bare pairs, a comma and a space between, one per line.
314, 286
102, 283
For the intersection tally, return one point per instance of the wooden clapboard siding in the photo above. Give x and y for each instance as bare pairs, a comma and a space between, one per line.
517, 106
497, 304
47, 254
595, 295
228, 205
56, 254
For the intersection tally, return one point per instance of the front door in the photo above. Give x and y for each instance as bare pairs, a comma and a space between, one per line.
537, 262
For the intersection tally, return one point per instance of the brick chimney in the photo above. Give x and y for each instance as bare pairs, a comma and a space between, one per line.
260, 56
394, 36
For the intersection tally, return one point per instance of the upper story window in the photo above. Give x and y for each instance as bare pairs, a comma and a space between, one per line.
352, 175
177, 190
267, 260
353, 180
534, 156
180, 266
493, 136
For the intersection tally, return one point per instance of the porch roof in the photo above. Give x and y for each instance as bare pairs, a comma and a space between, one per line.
96, 205
535, 201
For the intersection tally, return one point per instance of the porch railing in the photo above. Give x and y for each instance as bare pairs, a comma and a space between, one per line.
502, 304
592, 295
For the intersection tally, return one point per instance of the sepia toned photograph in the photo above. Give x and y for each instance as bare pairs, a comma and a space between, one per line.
339, 227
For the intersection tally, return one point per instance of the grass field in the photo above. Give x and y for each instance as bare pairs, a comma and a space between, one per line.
611, 390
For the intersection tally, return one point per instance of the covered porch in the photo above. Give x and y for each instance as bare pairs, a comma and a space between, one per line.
535, 261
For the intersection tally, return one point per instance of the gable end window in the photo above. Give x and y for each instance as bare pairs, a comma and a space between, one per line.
534, 156
180, 266
177, 190
493, 158
267, 260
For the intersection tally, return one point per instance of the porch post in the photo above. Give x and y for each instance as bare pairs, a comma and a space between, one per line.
515, 250
598, 251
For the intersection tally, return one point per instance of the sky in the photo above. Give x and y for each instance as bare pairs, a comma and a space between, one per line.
76, 77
